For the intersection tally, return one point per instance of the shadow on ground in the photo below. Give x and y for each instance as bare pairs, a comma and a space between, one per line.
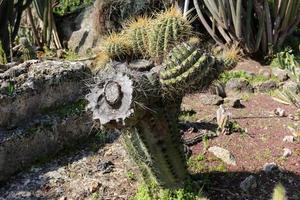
226, 185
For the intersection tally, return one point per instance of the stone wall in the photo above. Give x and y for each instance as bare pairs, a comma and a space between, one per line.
41, 111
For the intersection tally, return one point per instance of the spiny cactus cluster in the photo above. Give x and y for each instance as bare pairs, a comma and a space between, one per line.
116, 46
185, 66
3, 59
137, 34
148, 38
170, 27
27, 50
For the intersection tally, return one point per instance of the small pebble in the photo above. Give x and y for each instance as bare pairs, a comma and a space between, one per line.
270, 167
280, 112
287, 152
289, 138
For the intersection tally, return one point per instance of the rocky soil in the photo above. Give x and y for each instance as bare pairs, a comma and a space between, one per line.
244, 165
96, 172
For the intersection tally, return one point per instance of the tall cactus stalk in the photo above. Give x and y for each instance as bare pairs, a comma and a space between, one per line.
137, 104
257, 25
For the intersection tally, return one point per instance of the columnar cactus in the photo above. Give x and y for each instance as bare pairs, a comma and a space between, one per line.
134, 102
169, 28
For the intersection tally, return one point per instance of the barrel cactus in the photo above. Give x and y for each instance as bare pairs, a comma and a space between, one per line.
185, 66
169, 28
27, 50
116, 46
137, 34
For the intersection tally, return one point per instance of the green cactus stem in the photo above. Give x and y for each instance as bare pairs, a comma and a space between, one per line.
184, 67
116, 46
137, 34
169, 28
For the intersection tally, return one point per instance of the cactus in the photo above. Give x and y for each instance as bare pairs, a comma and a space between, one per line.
185, 66
27, 50
153, 138
3, 59
116, 46
169, 28
101, 60
137, 34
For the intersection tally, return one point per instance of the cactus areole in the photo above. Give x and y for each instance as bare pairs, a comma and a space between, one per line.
145, 107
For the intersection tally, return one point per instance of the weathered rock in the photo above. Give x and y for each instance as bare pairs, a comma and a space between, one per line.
238, 85
281, 74
41, 138
291, 86
78, 31
233, 102
248, 184
280, 112
267, 86
217, 89
286, 152
105, 166
265, 72
210, 99
270, 167
225, 155
289, 138
141, 65
31, 87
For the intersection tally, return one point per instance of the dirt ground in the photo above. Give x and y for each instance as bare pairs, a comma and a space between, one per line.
261, 143
106, 172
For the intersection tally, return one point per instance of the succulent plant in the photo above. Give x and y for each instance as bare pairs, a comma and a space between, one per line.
27, 50
3, 59
137, 34
101, 60
169, 28
150, 135
279, 193
116, 46
184, 67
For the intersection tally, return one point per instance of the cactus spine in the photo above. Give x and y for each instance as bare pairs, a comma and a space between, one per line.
116, 46
137, 34
185, 66
169, 28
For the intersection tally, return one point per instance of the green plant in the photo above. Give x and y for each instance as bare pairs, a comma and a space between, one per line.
116, 46
69, 6
184, 66
44, 10
131, 176
257, 25
154, 192
285, 60
27, 50
137, 34
168, 29
279, 193
3, 59
11, 88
